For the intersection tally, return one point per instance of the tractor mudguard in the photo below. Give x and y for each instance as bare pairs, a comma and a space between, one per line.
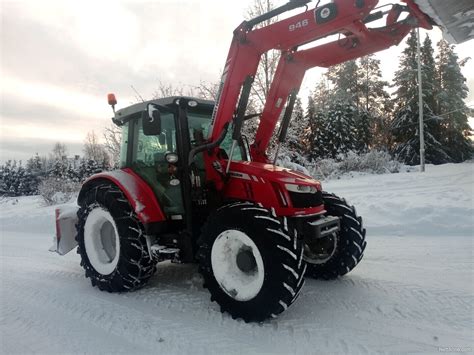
138, 193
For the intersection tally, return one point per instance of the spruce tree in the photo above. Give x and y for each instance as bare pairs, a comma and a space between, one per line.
59, 169
376, 105
452, 93
341, 135
34, 164
87, 168
430, 91
6, 177
315, 135
374, 97
363, 125
357, 85
405, 126
322, 95
345, 78
296, 129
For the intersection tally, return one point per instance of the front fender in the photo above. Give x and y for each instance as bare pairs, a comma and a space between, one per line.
138, 193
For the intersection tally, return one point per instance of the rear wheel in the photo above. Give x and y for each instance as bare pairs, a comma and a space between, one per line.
112, 242
251, 265
337, 254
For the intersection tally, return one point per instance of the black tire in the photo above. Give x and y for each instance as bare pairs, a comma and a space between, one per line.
350, 242
281, 253
134, 266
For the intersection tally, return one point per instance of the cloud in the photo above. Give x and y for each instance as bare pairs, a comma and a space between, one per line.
61, 57
11, 148
17, 110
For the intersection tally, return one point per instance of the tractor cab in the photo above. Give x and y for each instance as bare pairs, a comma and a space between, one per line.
157, 137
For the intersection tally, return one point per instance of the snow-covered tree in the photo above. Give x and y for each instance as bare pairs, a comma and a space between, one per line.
87, 168
451, 95
35, 164
94, 150
405, 125
15, 180
363, 124
374, 97
6, 177
358, 85
345, 78
375, 104
314, 134
340, 132
322, 95
296, 129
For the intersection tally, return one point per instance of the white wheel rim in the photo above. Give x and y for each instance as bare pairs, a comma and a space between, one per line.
101, 241
238, 284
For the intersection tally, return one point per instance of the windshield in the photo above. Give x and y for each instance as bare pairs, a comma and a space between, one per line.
199, 124
198, 127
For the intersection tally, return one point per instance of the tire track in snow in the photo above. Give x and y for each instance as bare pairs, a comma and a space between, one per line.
117, 316
395, 301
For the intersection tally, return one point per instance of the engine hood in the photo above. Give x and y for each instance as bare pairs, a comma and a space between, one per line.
257, 171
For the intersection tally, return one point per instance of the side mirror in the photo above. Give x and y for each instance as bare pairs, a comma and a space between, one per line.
151, 120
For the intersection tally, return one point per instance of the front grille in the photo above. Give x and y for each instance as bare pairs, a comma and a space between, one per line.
305, 200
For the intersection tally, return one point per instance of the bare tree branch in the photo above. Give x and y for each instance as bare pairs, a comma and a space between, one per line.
112, 136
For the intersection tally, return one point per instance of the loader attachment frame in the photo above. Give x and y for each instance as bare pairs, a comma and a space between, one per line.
347, 18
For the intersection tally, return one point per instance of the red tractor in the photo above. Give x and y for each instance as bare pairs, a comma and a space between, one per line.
191, 189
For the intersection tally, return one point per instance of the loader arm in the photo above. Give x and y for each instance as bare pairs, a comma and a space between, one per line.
358, 42
339, 17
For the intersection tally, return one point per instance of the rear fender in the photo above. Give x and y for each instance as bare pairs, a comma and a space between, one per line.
138, 193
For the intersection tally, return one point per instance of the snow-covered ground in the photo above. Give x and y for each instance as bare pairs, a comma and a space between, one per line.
413, 291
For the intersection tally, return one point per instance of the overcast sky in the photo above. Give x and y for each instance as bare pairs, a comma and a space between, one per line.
59, 59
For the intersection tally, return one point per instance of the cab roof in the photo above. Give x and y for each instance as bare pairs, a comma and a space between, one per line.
127, 113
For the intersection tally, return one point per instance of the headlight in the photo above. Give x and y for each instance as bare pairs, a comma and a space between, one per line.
171, 158
301, 188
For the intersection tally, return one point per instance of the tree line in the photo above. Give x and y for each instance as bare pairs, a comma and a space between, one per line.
351, 110
58, 171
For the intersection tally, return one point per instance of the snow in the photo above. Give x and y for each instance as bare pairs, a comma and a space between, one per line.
68, 211
412, 292
104, 252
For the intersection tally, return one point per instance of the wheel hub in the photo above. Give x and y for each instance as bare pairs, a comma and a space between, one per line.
319, 251
246, 261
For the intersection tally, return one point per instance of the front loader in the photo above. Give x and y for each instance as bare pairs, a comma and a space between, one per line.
191, 189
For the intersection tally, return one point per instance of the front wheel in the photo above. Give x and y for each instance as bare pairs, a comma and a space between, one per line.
252, 266
337, 254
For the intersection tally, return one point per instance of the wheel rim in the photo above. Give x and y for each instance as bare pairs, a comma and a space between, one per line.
321, 250
237, 265
101, 241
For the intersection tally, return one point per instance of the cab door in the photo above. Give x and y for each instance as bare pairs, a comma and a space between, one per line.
148, 160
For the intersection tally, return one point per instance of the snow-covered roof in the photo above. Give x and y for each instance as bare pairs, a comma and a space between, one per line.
456, 18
